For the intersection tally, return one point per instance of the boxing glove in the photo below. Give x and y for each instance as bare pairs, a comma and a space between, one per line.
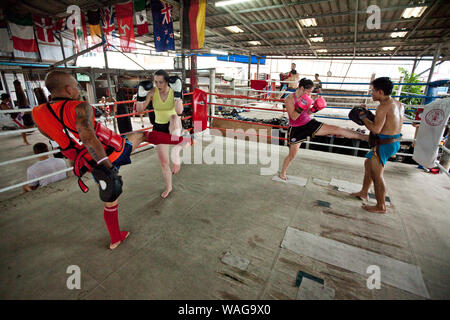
359, 113
143, 88
176, 85
304, 103
319, 104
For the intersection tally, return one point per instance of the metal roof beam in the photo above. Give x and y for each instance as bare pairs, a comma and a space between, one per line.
334, 36
299, 28
380, 42
421, 21
326, 15
246, 25
265, 8
346, 45
279, 6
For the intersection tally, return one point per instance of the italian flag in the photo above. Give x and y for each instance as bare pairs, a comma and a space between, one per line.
23, 33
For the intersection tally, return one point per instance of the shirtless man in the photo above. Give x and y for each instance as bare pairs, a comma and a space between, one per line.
387, 125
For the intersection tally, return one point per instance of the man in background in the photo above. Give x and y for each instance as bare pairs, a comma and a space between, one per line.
46, 165
317, 83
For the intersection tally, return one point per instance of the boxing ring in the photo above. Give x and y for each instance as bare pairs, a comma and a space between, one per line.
226, 231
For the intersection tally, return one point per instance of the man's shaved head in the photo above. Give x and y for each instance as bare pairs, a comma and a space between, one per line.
62, 84
56, 80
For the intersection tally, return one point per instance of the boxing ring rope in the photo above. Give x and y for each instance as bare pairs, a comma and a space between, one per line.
285, 139
229, 96
144, 145
226, 96
18, 185
342, 96
34, 180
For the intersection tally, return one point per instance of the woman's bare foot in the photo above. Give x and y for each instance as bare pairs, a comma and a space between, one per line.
360, 195
374, 209
166, 193
283, 176
124, 235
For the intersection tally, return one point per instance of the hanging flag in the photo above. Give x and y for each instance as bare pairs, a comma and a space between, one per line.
107, 16
194, 15
94, 23
5, 39
124, 15
94, 28
60, 25
162, 26
22, 33
44, 28
141, 16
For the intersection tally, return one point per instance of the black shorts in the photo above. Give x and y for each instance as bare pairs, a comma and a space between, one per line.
161, 127
299, 134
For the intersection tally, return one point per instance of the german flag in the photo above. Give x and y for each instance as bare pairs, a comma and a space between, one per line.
194, 15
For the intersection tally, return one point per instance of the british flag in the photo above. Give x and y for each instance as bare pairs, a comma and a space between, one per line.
107, 18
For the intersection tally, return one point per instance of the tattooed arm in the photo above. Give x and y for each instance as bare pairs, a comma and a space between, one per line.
86, 132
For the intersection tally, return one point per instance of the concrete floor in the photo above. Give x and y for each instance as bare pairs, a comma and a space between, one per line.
176, 245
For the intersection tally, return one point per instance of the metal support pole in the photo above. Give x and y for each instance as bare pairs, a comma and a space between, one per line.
233, 88
6, 84
414, 66
111, 92
257, 68
212, 88
433, 64
368, 90
183, 57
92, 81
194, 80
400, 87
249, 69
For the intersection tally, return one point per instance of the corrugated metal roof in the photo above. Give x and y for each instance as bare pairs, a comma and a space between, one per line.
275, 24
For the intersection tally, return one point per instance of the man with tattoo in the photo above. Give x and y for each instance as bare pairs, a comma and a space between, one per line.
67, 120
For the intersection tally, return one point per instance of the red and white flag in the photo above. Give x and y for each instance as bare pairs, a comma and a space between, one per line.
23, 33
44, 28
124, 15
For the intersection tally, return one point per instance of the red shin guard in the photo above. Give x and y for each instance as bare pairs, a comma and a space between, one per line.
157, 137
111, 216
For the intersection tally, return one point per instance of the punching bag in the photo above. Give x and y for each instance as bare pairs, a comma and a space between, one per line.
22, 103
123, 123
40, 95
